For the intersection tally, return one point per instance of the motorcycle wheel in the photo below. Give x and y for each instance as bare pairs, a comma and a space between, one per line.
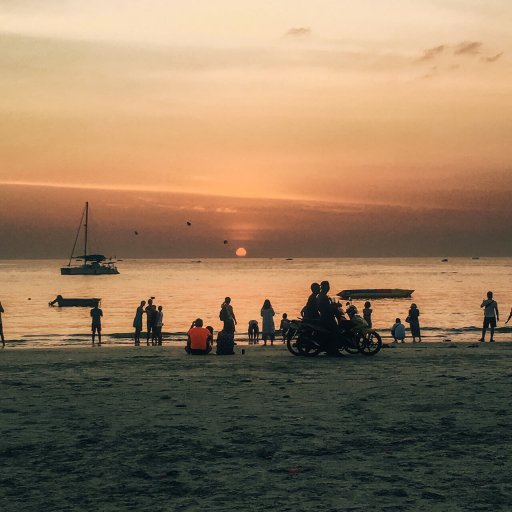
291, 344
370, 343
307, 346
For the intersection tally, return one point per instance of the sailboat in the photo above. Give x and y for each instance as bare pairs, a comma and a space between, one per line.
92, 264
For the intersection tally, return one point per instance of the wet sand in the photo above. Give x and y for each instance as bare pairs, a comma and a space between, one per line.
416, 428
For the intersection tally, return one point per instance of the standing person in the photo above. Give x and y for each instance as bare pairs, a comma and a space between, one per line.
414, 322
509, 316
491, 316
227, 315
367, 313
137, 322
310, 310
285, 325
1, 326
326, 307
96, 314
159, 322
253, 332
150, 321
268, 329
199, 339
398, 331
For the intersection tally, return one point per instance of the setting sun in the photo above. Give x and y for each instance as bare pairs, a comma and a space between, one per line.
241, 252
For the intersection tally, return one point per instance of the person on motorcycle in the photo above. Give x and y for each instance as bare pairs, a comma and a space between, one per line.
310, 310
326, 307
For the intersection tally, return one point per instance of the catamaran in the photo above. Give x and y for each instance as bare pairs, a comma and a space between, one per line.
91, 264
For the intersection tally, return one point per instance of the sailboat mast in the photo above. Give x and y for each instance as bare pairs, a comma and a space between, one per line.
86, 222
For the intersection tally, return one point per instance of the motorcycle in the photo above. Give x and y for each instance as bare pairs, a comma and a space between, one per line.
309, 338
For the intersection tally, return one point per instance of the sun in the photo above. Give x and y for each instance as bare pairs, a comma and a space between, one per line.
241, 252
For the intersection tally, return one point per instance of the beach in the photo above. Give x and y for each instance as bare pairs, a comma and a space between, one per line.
417, 427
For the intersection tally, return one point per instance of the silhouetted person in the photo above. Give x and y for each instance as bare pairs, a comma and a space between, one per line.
1, 326
253, 331
367, 313
137, 322
96, 314
150, 320
398, 331
227, 315
326, 307
199, 339
310, 310
268, 328
491, 316
284, 326
159, 322
508, 319
414, 322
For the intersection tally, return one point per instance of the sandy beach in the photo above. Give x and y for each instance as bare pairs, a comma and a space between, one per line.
418, 427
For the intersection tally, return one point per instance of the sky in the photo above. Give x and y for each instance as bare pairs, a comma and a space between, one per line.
261, 120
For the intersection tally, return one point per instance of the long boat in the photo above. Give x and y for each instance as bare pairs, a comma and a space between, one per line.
74, 302
90, 264
376, 293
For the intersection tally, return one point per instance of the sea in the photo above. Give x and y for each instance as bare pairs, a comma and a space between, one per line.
448, 294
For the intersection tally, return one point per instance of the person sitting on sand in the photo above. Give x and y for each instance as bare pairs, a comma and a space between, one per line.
159, 322
199, 339
253, 332
310, 310
137, 322
1, 326
227, 315
398, 331
96, 314
268, 329
285, 325
367, 313
491, 316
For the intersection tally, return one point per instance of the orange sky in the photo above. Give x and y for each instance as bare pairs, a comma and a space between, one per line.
404, 103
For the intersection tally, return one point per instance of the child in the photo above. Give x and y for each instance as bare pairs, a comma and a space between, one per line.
367, 313
398, 331
285, 325
254, 332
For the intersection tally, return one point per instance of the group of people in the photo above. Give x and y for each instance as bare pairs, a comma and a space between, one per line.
154, 322
319, 307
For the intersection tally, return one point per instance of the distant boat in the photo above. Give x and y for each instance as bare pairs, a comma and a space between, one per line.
93, 264
444, 260
74, 303
377, 293
475, 258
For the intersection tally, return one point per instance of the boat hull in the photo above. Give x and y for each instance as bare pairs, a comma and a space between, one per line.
61, 302
88, 270
379, 293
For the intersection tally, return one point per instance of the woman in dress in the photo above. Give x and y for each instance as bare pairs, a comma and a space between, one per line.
414, 322
268, 330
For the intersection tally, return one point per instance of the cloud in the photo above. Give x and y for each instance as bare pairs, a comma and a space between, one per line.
468, 48
432, 53
494, 58
299, 32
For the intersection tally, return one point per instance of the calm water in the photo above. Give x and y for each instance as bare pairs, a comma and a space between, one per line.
448, 294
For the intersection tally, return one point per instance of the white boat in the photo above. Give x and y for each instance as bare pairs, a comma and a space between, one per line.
90, 264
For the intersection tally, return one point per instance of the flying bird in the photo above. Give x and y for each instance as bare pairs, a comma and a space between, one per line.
189, 223
136, 233
226, 242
